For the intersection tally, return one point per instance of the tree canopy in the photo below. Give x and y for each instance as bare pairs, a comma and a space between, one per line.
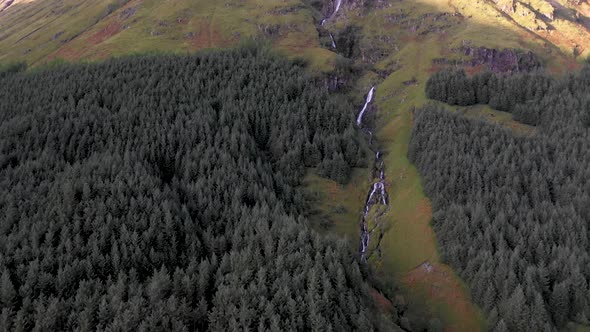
511, 211
160, 193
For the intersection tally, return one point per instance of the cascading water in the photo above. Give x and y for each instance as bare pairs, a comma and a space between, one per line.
323, 22
359, 119
378, 194
338, 4
336, 9
377, 197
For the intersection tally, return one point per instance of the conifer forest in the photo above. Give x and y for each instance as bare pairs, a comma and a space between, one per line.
162, 193
511, 209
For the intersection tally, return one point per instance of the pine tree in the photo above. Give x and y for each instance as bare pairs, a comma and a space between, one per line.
7, 291
559, 304
6, 319
518, 313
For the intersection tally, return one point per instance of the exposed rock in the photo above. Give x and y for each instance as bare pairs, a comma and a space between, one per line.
57, 35
127, 13
397, 18
413, 81
507, 6
388, 70
426, 266
5, 4
501, 61
335, 83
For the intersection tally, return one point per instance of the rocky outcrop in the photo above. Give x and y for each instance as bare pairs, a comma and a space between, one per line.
127, 13
507, 6
576, 2
502, 61
498, 61
5, 4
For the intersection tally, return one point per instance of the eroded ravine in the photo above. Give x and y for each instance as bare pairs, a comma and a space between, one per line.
407, 257
323, 22
377, 202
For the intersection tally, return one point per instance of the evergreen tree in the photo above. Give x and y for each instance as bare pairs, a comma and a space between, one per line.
163, 193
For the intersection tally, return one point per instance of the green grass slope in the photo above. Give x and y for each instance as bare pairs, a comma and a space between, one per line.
38, 31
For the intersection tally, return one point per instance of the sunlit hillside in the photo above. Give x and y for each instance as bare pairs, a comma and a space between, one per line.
38, 30
41, 30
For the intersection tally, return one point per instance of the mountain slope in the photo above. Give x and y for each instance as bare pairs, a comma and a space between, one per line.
40, 30
397, 43
34, 30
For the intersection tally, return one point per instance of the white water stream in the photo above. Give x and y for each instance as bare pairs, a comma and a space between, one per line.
359, 119
333, 42
338, 4
323, 22
378, 195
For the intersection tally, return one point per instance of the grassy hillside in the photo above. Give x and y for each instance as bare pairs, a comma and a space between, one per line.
40, 30
395, 41
37, 31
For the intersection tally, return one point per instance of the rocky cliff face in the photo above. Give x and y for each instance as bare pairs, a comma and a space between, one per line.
5, 4
507, 6
502, 61
495, 60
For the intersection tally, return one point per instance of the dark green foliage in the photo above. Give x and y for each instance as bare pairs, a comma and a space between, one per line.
12, 68
502, 92
316, 4
159, 193
347, 42
343, 76
335, 168
511, 213
528, 61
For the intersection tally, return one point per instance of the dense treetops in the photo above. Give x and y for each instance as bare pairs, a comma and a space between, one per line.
511, 212
158, 193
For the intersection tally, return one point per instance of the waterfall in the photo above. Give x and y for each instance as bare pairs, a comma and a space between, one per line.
333, 42
359, 120
377, 196
338, 3
336, 9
